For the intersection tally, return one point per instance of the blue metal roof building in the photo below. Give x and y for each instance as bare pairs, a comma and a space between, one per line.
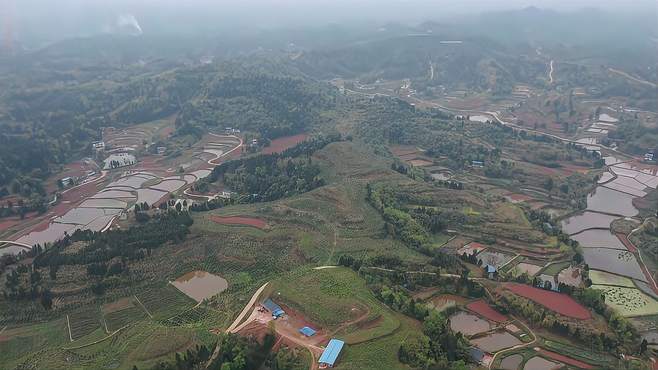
330, 354
306, 331
274, 308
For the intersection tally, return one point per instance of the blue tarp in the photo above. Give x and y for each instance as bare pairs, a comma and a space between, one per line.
274, 308
331, 353
490, 269
307, 331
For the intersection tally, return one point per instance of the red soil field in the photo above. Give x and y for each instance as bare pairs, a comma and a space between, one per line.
557, 302
566, 360
483, 309
283, 143
627, 243
237, 220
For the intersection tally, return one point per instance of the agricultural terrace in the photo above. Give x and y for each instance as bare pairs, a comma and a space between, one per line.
606, 278
338, 301
239, 221
628, 301
557, 302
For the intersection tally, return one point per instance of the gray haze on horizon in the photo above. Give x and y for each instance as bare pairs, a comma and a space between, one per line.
47, 20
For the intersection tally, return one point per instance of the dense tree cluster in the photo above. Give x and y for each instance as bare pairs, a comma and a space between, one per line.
274, 176
413, 226
131, 244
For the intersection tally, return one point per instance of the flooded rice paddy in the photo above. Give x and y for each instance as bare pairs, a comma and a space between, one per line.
540, 363
610, 201
587, 220
511, 362
496, 341
100, 207
598, 238
468, 324
149, 196
200, 285
169, 185
620, 262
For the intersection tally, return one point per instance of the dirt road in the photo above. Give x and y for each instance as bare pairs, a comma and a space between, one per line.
550, 73
635, 79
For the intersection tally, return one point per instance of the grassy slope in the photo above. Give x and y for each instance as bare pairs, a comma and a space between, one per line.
335, 298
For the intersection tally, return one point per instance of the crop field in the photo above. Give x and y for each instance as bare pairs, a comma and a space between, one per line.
336, 299
15, 343
124, 316
84, 322
579, 353
605, 278
239, 221
164, 302
560, 303
628, 301
555, 268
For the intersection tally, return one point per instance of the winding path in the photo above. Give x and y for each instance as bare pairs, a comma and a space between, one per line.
550, 72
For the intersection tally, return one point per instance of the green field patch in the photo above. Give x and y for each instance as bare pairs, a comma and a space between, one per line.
438, 240
20, 341
606, 278
628, 301
165, 302
84, 322
116, 320
555, 268
578, 353
338, 300
381, 353
163, 342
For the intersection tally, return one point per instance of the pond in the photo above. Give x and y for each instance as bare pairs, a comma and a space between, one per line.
620, 262
598, 238
468, 324
200, 285
540, 363
496, 341
611, 201
587, 220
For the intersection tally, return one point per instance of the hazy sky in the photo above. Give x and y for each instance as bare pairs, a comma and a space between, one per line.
54, 19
